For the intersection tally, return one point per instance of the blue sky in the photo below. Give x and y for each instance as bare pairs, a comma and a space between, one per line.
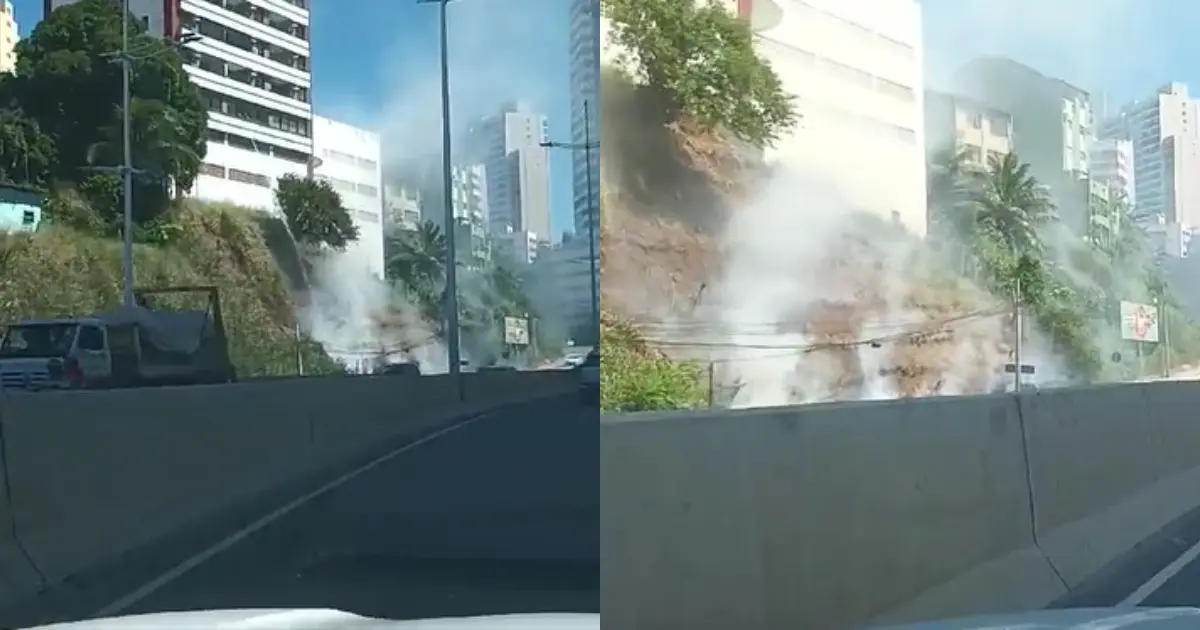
375, 64
1122, 48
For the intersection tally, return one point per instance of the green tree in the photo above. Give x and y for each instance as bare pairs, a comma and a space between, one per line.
701, 62
1013, 204
25, 152
68, 78
951, 190
314, 212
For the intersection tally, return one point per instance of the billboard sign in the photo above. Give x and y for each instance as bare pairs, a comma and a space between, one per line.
1139, 322
516, 331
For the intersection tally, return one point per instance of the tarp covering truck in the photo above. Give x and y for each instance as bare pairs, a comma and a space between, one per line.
140, 346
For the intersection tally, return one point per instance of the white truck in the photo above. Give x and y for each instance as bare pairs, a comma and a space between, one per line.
139, 346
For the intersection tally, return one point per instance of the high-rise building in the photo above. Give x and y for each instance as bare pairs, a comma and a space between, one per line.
470, 192
1162, 130
348, 158
1112, 163
1053, 133
251, 63
585, 88
856, 72
508, 144
401, 209
8, 38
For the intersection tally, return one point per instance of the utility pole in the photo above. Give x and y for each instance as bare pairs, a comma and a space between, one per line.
453, 352
127, 166
1018, 329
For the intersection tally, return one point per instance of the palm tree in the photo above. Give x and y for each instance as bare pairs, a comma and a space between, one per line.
951, 183
418, 263
1013, 205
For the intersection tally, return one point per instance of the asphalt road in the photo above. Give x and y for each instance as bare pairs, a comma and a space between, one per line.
500, 516
1163, 570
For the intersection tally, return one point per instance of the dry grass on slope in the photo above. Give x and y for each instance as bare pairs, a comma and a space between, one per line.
668, 194
61, 272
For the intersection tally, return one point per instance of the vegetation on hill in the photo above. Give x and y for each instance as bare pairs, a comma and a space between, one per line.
487, 294
60, 134
697, 65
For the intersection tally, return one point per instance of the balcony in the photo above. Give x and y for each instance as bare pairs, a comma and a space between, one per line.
215, 12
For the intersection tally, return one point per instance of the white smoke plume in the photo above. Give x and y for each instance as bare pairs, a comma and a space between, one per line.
495, 52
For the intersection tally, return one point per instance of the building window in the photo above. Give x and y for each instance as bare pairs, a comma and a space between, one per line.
212, 170
246, 177
253, 113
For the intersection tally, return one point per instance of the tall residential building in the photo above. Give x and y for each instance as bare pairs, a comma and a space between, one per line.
1166, 153
251, 63
1112, 163
348, 158
401, 209
957, 123
856, 72
585, 89
469, 188
508, 144
8, 38
1053, 132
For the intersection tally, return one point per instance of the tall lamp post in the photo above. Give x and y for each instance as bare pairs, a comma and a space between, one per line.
587, 146
453, 351
126, 57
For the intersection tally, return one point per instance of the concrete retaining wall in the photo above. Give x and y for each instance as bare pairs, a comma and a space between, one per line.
837, 515
90, 475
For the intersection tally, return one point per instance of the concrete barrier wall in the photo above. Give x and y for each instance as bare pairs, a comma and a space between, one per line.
838, 515
92, 474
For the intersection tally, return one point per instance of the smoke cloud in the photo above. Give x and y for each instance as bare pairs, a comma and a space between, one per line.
497, 53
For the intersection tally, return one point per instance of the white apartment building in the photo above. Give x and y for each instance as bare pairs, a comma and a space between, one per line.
1112, 163
252, 66
856, 72
9, 35
585, 89
469, 189
402, 209
958, 123
349, 159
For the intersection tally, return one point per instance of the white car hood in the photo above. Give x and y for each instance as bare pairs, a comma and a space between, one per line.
323, 619
1072, 619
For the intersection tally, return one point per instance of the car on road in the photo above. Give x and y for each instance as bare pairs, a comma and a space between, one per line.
589, 378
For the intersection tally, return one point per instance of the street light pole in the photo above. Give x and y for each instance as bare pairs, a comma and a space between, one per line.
587, 146
453, 351
592, 219
127, 167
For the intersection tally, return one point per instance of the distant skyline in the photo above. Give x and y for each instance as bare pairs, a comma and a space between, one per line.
375, 66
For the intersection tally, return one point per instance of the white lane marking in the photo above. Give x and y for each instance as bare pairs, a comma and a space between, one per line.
1171, 570
184, 567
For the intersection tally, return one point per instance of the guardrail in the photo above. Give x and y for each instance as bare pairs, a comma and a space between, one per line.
837, 515
89, 475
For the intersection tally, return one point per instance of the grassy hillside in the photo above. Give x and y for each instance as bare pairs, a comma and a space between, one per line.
65, 269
